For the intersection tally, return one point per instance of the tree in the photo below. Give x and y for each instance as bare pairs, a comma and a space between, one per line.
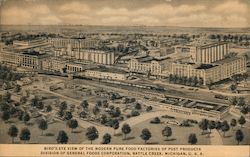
203, 125
60, 113
218, 125
43, 125
67, 115
62, 137
149, 108
192, 139
99, 103
25, 135
26, 117
115, 125
225, 127
241, 101
84, 104
233, 123
96, 110
105, 103
106, 139
17, 88
211, 125
126, 130
245, 76
48, 108
239, 136
134, 113
167, 131
145, 135
13, 131
233, 87
34, 101
6, 115
40, 105
103, 119
63, 106
83, 114
92, 133
138, 106
242, 121
156, 120
72, 124
245, 109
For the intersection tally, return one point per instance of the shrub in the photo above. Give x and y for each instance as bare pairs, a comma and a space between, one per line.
134, 113
156, 120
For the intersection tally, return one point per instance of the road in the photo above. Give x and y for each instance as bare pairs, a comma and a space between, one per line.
215, 137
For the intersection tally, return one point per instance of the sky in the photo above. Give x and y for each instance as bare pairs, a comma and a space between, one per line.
185, 13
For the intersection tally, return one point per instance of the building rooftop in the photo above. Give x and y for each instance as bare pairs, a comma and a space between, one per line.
226, 60
211, 44
206, 66
110, 70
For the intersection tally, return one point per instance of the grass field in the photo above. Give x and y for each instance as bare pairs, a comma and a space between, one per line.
74, 138
179, 135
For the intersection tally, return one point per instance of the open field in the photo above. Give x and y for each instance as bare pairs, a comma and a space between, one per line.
179, 135
36, 137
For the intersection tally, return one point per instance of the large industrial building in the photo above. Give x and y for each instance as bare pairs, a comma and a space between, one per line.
74, 42
209, 53
209, 62
96, 56
211, 73
149, 65
30, 60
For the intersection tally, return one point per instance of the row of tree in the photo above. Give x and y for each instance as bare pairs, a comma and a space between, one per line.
224, 126
191, 81
7, 74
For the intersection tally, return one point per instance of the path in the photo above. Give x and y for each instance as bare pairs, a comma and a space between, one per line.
215, 137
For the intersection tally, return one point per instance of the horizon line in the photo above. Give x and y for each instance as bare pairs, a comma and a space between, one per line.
120, 26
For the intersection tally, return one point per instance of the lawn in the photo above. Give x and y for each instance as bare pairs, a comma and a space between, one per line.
179, 135
229, 139
74, 138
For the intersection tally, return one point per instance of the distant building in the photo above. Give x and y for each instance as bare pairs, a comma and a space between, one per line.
74, 67
54, 64
210, 53
211, 73
149, 65
40, 45
96, 56
28, 60
106, 73
75, 43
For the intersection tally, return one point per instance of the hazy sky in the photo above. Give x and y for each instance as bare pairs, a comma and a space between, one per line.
198, 13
